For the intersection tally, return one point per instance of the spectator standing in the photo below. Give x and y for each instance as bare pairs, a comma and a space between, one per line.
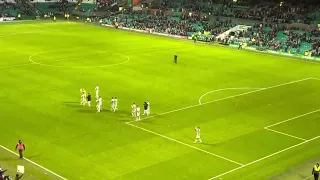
1, 174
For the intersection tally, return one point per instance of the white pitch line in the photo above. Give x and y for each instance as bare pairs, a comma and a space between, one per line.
225, 98
18, 65
258, 160
224, 89
293, 118
12, 34
166, 137
104, 52
34, 163
307, 178
284, 134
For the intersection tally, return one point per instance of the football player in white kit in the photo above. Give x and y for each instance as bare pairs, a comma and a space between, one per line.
115, 103
198, 139
148, 109
97, 92
83, 99
138, 113
134, 110
99, 105
112, 104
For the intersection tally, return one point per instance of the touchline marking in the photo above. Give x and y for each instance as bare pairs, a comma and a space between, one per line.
221, 99
217, 90
258, 160
166, 137
284, 134
34, 163
293, 118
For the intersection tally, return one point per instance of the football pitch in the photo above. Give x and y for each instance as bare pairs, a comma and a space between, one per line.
258, 114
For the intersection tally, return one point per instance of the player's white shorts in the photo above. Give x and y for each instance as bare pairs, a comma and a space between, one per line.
138, 114
197, 137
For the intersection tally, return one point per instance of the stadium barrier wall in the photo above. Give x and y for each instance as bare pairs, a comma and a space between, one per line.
231, 45
145, 31
3, 19
279, 53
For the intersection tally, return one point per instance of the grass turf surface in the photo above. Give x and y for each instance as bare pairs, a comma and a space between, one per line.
40, 105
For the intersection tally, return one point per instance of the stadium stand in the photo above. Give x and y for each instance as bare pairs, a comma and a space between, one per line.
282, 27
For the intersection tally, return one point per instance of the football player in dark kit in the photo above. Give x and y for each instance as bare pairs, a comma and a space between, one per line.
175, 58
145, 107
89, 99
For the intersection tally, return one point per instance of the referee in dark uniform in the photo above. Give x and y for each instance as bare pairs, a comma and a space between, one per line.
316, 171
175, 58
89, 99
145, 107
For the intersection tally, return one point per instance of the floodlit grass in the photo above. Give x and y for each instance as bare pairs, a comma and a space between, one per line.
44, 65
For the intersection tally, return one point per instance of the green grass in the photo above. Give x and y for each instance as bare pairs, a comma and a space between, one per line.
40, 105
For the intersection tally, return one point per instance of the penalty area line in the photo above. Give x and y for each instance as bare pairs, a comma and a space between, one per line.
302, 115
263, 158
224, 89
222, 99
185, 144
289, 135
34, 163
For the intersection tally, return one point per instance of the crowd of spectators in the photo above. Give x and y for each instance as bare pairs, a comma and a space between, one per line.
176, 25
160, 22
280, 13
103, 4
7, 5
315, 40
270, 11
291, 38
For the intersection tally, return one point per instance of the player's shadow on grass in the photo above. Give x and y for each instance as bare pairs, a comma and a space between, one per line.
203, 143
72, 104
209, 144
91, 110
148, 121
